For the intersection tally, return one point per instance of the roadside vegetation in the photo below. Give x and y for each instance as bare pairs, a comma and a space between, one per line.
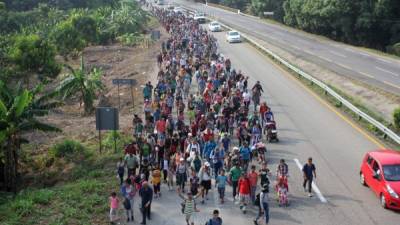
39, 40
368, 23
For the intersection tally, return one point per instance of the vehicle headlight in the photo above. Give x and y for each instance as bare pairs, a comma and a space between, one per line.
391, 191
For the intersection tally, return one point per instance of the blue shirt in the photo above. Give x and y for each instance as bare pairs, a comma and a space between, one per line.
221, 181
225, 142
245, 153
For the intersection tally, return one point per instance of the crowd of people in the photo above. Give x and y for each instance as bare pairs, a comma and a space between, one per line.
202, 127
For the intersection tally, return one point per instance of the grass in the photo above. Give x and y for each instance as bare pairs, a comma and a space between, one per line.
83, 199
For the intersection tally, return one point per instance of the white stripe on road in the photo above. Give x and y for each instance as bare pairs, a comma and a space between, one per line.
384, 60
337, 54
391, 84
386, 71
324, 58
314, 186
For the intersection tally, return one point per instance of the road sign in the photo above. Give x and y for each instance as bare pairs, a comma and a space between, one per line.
107, 119
155, 34
124, 81
268, 13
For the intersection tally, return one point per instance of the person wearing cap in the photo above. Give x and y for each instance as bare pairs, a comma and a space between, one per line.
205, 180
262, 199
181, 174
146, 194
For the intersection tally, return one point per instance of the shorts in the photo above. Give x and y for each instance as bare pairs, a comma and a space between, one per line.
113, 215
245, 198
190, 217
206, 184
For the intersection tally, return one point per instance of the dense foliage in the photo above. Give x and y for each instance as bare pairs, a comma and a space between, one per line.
32, 34
369, 23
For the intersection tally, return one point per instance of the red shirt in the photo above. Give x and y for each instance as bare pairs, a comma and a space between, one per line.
160, 126
208, 135
244, 186
253, 177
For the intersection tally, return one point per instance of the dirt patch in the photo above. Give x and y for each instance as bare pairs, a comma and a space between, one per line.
378, 101
115, 61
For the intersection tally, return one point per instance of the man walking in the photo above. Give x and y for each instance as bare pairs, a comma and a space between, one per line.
146, 193
309, 174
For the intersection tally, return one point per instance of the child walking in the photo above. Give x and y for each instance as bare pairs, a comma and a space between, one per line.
156, 180
221, 183
114, 203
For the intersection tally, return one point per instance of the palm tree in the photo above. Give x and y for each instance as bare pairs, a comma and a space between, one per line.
19, 109
85, 84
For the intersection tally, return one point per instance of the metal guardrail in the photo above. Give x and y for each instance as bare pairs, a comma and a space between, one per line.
387, 132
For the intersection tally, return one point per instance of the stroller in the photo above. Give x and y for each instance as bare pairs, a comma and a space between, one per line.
282, 189
260, 150
271, 131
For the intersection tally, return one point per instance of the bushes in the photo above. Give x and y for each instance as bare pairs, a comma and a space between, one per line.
122, 140
396, 118
67, 148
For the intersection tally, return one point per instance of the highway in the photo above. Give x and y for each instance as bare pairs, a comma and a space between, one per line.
307, 127
377, 71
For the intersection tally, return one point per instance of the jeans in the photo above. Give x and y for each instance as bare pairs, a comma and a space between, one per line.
253, 194
221, 192
234, 187
309, 181
266, 212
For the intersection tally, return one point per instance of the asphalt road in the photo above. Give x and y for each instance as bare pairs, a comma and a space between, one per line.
377, 71
307, 127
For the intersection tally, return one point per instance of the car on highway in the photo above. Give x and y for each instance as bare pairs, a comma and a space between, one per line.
199, 17
380, 170
178, 9
214, 26
233, 36
160, 2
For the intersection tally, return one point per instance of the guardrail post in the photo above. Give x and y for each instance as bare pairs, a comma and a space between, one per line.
359, 117
326, 92
384, 136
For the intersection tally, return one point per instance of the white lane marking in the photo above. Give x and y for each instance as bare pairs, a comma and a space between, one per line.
386, 71
314, 186
342, 65
391, 84
350, 50
384, 60
324, 58
364, 54
337, 54
366, 74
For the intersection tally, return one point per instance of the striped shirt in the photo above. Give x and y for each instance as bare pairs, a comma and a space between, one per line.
189, 206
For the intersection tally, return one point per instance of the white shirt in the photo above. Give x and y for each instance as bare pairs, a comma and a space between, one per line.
246, 96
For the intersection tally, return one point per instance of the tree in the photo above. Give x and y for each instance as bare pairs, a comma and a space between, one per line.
85, 25
67, 39
86, 85
258, 7
32, 54
19, 109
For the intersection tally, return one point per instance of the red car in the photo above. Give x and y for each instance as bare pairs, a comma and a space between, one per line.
380, 170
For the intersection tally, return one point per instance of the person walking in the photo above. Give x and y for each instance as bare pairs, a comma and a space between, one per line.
146, 194
114, 205
234, 175
282, 170
309, 174
253, 178
131, 162
215, 220
263, 204
205, 180
244, 191
121, 170
220, 183
128, 191
189, 206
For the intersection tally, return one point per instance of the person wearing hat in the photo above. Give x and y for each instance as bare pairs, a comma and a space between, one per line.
262, 202
205, 180
181, 174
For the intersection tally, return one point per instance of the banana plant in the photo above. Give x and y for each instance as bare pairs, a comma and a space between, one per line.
19, 109
82, 83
